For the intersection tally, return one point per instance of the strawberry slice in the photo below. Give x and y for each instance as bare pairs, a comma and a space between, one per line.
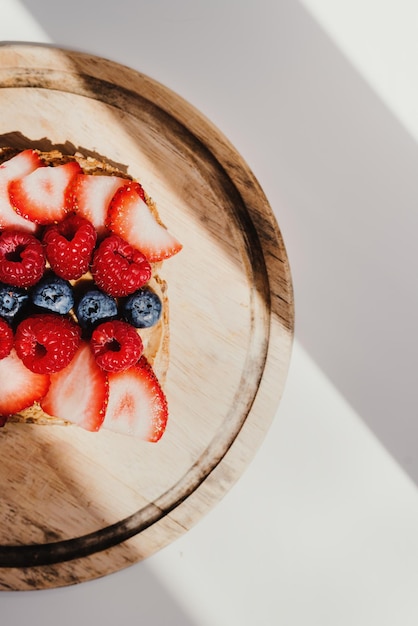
79, 392
130, 217
20, 387
90, 196
18, 166
41, 195
137, 405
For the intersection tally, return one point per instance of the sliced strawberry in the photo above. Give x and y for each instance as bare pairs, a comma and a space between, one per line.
18, 166
20, 387
41, 195
90, 196
137, 404
21, 164
79, 392
130, 217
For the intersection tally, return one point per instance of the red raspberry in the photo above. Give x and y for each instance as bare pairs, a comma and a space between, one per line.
6, 339
69, 246
116, 345
118, 268
46, 343
22, 260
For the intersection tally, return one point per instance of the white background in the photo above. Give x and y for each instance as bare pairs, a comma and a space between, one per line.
321, 99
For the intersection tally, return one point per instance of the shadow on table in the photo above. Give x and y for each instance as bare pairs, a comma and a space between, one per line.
125, 597
343, 184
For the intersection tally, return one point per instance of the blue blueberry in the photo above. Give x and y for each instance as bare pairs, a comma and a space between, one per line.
12, 301
54, 294
143, 308
95, 307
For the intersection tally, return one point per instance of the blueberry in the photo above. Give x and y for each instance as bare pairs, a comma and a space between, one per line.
94, 307
12, 300
143, 308
54, 294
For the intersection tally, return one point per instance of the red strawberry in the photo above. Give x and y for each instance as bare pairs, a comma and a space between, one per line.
21, 164
20, 387
69, 246
137, 405
90, 196
130, 217
79, 392
41, 196
18, 166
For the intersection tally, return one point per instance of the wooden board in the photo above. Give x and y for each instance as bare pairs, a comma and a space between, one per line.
75, 505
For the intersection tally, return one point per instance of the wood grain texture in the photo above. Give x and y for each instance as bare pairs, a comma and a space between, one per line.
75, 505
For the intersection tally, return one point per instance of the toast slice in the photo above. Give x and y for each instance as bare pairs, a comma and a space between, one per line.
156, 338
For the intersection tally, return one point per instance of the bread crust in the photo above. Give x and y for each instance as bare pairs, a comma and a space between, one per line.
156, 338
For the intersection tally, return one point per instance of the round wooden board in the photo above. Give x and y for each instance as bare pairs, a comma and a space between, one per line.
75, 505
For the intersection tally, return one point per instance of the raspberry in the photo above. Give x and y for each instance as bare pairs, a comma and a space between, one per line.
22, 260
118, 268
46, 343
69, 246
6, 339
116, 346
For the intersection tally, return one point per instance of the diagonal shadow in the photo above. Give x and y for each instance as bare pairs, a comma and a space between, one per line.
344, 188
118, 598
258, 260
343, 184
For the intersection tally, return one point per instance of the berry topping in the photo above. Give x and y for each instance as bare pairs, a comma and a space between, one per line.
6, 339
46, 342
118, 268
22, 260
20, 387
137, 405
116, 346
41, 195
69, 246
142, 309
90, 196
130, 217
54, 294
79, 392
72, 345
95, 307
12, 301
20, 165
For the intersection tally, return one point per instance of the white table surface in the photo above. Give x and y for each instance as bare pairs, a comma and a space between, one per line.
321, 99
